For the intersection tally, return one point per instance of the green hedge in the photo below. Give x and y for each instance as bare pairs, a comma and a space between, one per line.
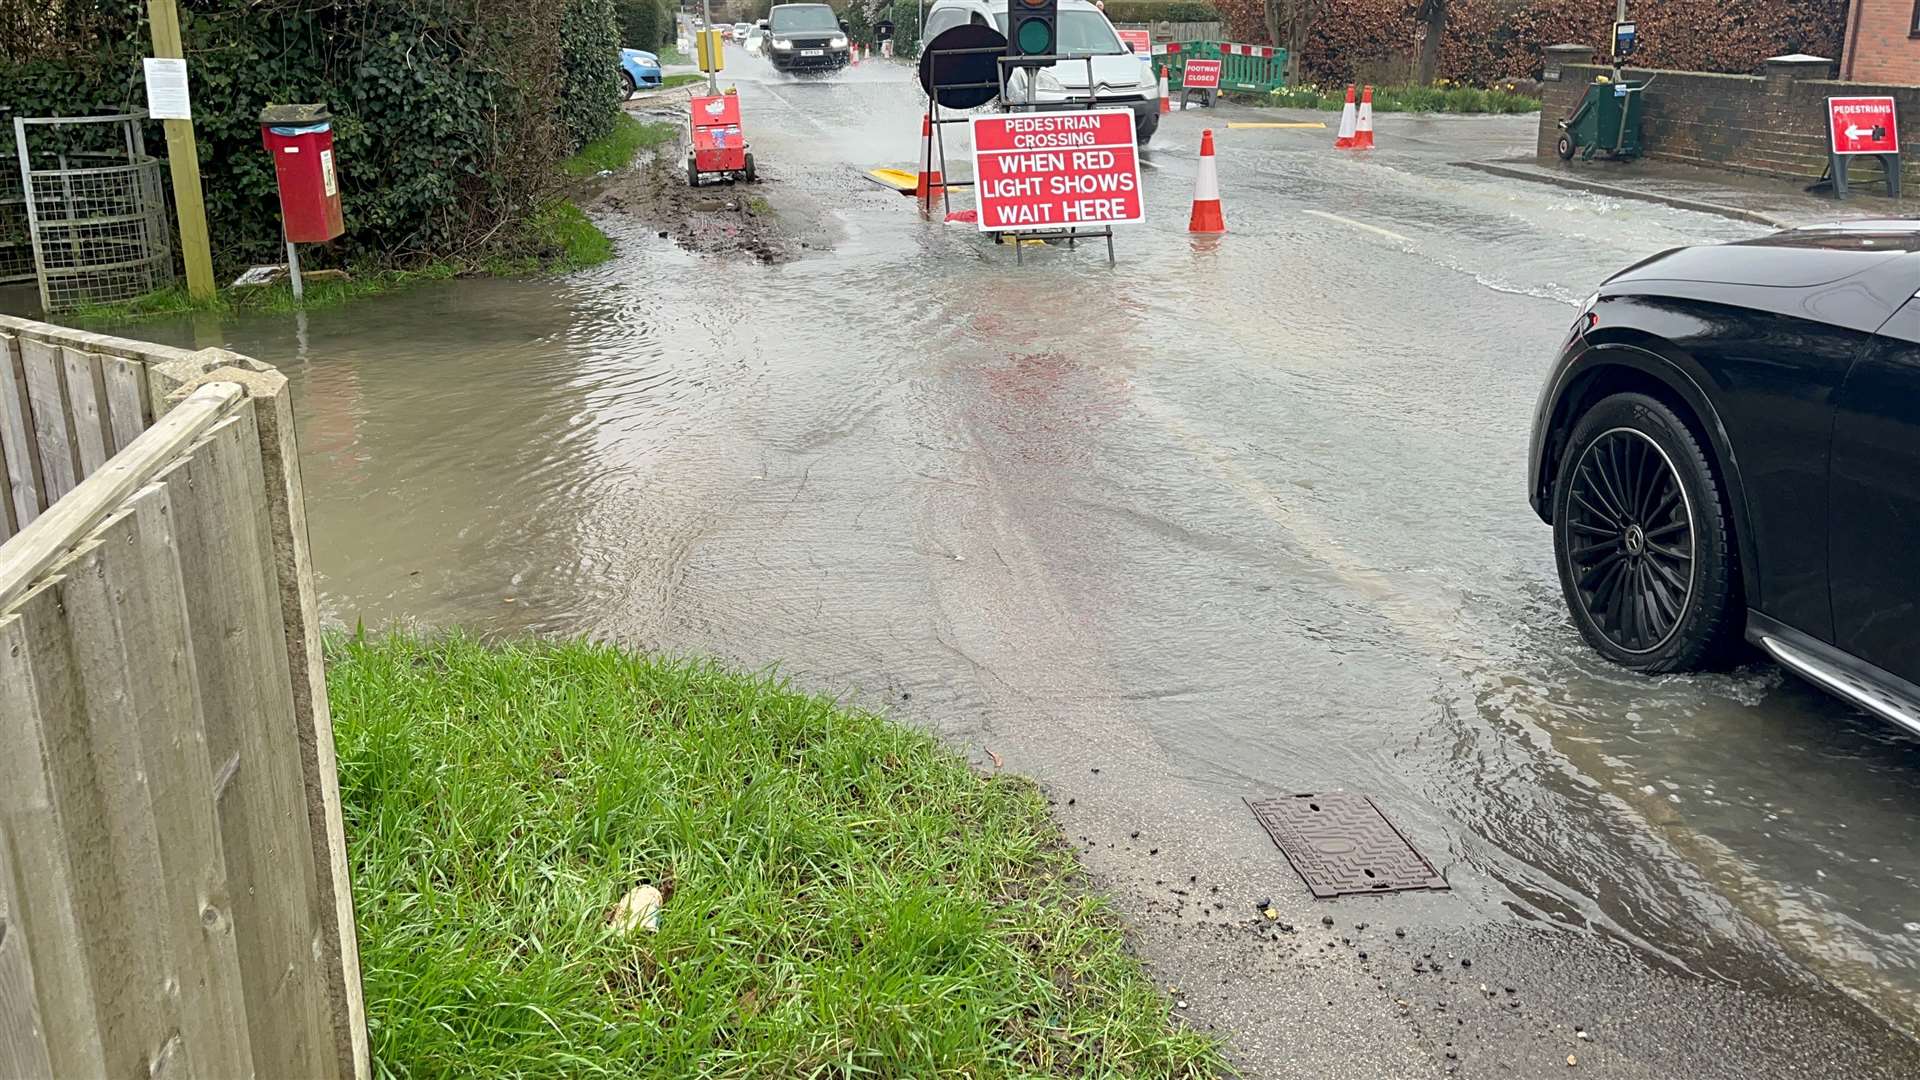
450, 116
1137, 11
645, 24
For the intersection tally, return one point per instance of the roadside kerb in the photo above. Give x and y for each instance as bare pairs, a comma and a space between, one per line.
1677, 201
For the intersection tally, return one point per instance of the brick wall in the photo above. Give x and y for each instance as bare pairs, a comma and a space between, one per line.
1746, 123
1881, 44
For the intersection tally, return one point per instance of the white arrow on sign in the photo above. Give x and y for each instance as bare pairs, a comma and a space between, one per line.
1858, 132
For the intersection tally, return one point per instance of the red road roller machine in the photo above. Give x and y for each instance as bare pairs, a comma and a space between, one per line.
719, 148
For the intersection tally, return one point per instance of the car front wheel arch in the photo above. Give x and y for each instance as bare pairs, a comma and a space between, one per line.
1627, 370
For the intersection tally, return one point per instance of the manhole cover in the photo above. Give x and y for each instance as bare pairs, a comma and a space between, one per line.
1341, 843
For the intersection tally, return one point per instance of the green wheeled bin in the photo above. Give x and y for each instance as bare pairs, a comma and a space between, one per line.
1607, 121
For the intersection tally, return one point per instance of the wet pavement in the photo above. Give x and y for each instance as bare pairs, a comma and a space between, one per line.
1239, 517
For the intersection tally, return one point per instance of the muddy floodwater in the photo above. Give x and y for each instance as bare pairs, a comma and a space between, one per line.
1247, 516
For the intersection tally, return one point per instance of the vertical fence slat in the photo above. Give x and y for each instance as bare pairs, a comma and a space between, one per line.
23, 1033
160, 705
9, 520
300, 608
87, 407
51, 426
128, 413
16, 433
51, 808
219, 517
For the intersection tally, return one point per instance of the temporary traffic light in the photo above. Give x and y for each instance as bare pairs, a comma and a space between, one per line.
1032, 27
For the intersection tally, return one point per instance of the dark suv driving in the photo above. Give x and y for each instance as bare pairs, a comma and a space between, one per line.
805, 38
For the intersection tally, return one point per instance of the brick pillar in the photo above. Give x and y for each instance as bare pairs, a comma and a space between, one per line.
1783, 71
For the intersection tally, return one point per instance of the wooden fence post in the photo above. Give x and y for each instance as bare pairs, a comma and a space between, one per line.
293, 562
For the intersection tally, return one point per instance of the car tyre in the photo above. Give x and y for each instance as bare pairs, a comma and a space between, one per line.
1641, 539
1144, 125
1564, 147
693, 172
749, 169
627, 84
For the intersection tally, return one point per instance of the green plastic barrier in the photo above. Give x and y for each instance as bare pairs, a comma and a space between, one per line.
1253, 69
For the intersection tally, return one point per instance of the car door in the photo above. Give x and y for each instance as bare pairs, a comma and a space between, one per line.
1874, 501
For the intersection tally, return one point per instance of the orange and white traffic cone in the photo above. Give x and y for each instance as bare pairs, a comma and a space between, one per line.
929, 185
1347, 123
1166, 95
853, 54
1206, 192
1363, 132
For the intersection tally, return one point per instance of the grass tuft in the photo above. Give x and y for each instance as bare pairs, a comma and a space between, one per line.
568, 239
1417, 99
616, 149
685, 78
174, 300
844, 896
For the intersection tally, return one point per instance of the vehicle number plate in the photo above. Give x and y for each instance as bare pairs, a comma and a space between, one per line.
813, 52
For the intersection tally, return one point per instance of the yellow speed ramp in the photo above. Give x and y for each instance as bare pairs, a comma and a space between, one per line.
900, 180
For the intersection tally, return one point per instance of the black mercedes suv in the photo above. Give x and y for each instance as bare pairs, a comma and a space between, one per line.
1729, 446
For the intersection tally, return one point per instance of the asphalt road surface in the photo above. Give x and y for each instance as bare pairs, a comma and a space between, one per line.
1234, 519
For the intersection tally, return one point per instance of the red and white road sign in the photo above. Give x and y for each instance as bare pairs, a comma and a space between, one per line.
1862, 125
1201, 75
1139, 42
1039, 172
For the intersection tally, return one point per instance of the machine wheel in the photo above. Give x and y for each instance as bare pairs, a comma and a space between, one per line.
1564, 147
1641, 537
748, 173
693, 174
626, 82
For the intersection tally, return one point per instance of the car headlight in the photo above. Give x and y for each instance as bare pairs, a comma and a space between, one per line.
839, 42
782, 43
1049, 82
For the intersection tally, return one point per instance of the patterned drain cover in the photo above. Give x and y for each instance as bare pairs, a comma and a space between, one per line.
1341, 843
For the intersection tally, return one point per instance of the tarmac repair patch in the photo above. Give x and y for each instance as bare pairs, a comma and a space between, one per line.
1340, 843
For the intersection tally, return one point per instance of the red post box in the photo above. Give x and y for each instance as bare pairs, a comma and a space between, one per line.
300, 138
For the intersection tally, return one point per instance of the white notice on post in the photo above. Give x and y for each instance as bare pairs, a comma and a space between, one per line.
167, 89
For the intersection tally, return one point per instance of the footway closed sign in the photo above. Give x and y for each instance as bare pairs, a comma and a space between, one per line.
1041, 172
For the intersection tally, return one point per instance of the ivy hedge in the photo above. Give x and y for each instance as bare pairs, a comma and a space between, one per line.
450, 116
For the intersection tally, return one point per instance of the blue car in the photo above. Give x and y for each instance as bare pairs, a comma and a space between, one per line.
639, 69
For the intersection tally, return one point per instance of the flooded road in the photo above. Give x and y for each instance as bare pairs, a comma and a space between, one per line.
1235, 518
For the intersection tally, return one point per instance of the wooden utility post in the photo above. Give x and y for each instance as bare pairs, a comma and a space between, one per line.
183, 159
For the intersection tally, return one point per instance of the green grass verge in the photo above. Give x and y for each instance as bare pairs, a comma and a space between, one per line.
1418, 99
685, 78
616, 149
567, 238
671, 55
844, 896
363, 282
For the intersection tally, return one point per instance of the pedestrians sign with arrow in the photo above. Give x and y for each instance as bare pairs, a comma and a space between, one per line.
1862, 125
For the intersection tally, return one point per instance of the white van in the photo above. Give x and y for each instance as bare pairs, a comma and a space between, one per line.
1120, 79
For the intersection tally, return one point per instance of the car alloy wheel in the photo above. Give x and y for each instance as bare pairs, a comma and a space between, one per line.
1631, 536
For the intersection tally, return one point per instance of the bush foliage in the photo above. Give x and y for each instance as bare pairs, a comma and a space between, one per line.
1491, 41
450, 116
645, 24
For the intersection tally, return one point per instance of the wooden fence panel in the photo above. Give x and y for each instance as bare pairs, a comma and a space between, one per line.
16, 436
128, 413
51, 426
218, 498
174, 899
87, 408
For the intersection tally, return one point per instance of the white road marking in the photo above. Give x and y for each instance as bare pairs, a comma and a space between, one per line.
1389, 234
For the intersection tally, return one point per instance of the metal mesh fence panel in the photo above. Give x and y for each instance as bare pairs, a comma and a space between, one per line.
96, 210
